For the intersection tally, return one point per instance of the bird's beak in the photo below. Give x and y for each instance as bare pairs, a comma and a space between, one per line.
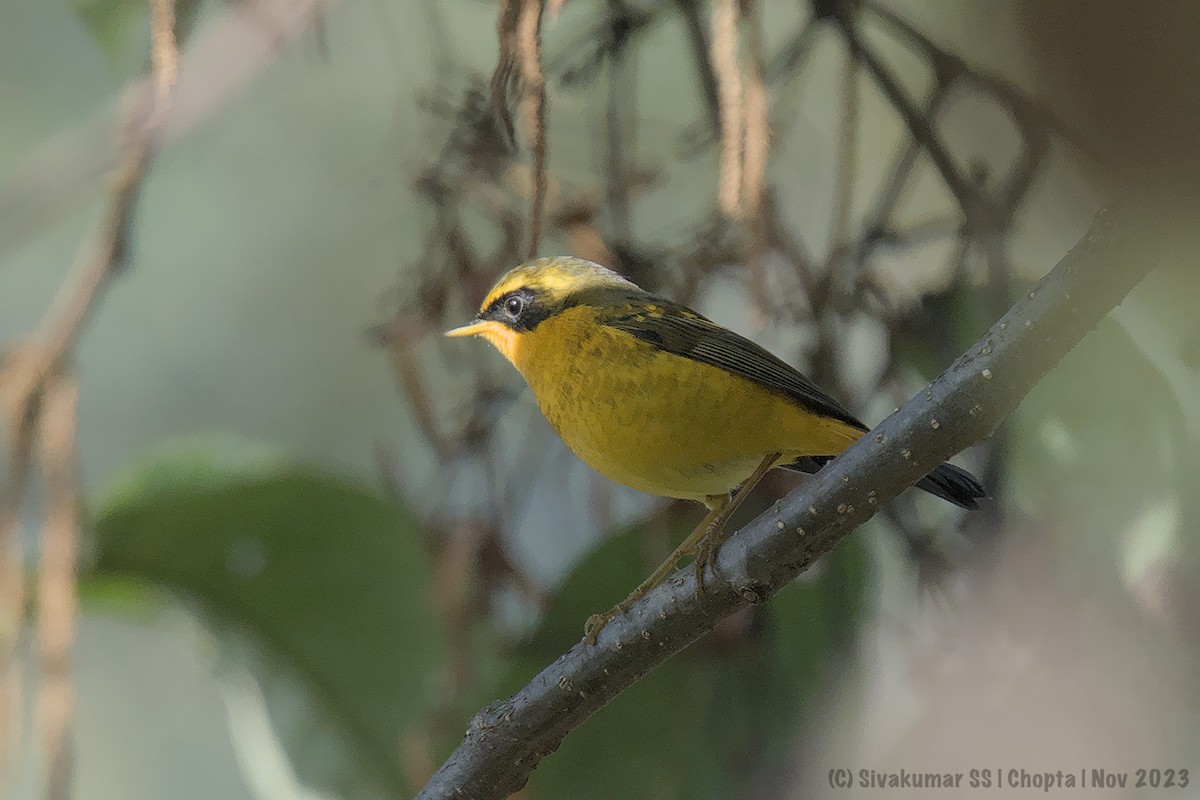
502, 338
475, 328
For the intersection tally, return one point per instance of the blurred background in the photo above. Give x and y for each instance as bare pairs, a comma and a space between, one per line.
315, 536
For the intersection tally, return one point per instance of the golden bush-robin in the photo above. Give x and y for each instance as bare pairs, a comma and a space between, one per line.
653, 395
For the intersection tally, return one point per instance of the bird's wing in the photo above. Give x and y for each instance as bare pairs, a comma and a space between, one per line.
677, 329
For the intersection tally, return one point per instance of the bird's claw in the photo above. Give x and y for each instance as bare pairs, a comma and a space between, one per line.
595, 623
706, 558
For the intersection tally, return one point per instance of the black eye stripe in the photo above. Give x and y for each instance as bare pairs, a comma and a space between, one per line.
496, 307
533, 309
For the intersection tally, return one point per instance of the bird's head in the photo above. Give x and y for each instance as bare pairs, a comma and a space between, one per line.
529, 294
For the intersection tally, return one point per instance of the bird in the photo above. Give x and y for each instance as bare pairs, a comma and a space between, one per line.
654, 395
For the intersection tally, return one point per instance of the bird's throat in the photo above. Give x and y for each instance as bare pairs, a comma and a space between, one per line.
503, 339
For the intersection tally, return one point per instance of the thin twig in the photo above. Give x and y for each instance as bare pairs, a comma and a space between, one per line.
920, 126
790, 58
529, 53
620, 127
506, 740
888, 197
223, 57
786, 240
103, 257
756, 149
698, 41
56, 581
839, 267
164, 62
1035, 121
724, 60
504, 77
410, 379
12, 576
757, 123
32, 381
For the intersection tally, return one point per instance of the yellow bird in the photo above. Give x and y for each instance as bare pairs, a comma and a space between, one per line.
653, 395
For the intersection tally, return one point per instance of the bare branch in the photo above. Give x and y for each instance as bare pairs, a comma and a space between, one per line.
529, 50
698, 44
506, 740
724, 60
56, 581
222, 57
36, 396
847, 166
619, 124
757, 123
920, 126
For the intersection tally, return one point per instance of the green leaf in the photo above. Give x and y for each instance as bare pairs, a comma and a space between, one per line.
329, 579
723, 710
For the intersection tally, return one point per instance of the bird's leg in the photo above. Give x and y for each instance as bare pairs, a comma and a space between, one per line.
709, 545
596, 622
703, 543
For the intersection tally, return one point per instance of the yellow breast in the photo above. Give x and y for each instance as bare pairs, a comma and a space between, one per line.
659, 422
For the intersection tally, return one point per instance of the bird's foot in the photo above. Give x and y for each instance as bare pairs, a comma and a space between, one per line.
596, 622
706, 556
701, 545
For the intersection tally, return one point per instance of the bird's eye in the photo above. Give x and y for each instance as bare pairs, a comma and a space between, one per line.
514, 305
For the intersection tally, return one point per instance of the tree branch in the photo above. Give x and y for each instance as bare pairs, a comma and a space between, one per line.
37, 396
239, 41
506, 740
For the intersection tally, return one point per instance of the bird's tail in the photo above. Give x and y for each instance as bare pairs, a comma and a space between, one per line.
946, 481
954, 484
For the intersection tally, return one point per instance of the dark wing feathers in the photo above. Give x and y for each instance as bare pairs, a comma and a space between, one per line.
676, 329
